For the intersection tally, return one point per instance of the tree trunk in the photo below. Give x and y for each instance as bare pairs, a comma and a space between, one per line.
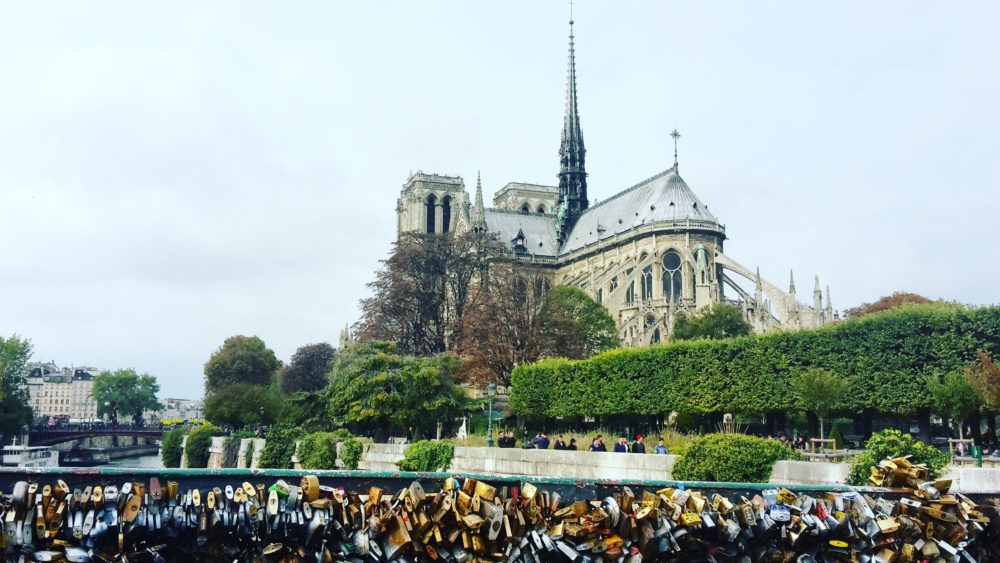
975, 420
924, 422
866, 424
814, 424
821, 419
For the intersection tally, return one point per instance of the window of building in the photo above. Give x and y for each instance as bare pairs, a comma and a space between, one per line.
613, 285
630, 293
431, 204
600, 295
647, 283
672, 276
541, 209
525, 208
446, 214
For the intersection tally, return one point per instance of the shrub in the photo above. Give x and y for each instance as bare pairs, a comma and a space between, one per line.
318, 451
837, 437
428, 455
170, 448
248, 455
731, 458
280, 446
884, 357
198, 442
893, 443
350, 452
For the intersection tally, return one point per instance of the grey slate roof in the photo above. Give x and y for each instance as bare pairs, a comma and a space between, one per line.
662, 198
539, 230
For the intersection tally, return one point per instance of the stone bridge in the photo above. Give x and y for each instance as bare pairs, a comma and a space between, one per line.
49, 436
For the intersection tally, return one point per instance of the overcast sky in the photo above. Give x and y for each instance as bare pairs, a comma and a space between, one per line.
171, 175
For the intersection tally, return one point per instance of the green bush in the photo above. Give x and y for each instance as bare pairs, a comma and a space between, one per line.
197, 444
885, 358
837, 437
248, 456
731, 458
893, 443
428, 455
170, 447
350, 452
318, 451
280, 446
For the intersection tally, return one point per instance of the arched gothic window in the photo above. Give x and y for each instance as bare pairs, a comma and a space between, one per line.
672, 276
656, 337
647, 283
541, 209
431, 204
630, 293
525, 208
446, 215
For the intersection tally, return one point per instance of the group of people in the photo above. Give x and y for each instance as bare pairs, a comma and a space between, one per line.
541, 442
623, 447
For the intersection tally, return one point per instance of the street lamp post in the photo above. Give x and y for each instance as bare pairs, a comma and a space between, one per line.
490, 389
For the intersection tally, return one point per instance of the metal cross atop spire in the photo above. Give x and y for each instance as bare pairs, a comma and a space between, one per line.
570, 12
676, 136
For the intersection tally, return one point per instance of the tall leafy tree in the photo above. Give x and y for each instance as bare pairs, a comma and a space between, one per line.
819, 391
421, 292
500, 322
374, 386
240, 359
308, 369
124, 392
14, 409
953, 396
572, 325
713, 322
243, 405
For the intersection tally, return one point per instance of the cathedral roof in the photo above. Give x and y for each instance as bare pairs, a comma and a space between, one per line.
539, 230
664, 198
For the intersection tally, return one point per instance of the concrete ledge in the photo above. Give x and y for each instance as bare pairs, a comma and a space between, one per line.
562, 463
809, 473
975, 479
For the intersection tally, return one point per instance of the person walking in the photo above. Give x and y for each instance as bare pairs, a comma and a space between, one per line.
661, 448
559, 443
639, 447
572, 444
542, 442
621, 446
597, 445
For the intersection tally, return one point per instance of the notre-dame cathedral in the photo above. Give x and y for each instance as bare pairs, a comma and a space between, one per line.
647, 253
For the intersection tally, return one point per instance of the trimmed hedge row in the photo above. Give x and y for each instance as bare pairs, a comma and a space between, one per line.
885, 356
734, 458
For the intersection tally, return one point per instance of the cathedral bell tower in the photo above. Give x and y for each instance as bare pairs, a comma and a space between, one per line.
572, 154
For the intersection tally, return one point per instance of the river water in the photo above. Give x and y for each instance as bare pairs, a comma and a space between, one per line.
144, 462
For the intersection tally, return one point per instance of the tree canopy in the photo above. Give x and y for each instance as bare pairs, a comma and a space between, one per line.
308, 369
125, 392
421, 291
572, 325
885, 303
373, 385
240, 359
714, 322
984, 376
819, 391
953, 396
14, 409
239, 405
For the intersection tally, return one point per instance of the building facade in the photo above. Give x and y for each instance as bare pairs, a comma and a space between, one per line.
61, 393
649, 253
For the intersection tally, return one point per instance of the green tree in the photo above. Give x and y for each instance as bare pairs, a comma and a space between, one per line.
372, 385
240, 359
953, 396
572, 325
125, 392
819, 391
308, 369
240, 405
14, 409
714, 322
198, 443
171, 449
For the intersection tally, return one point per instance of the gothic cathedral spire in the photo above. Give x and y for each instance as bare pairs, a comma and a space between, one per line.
572, 172
478, 209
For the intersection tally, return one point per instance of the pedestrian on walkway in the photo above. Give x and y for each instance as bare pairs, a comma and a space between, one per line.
559, 443
621, 446
639, 447
661, 448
